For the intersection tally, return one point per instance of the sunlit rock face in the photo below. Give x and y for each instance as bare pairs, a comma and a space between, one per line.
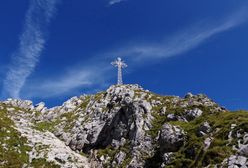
124, 126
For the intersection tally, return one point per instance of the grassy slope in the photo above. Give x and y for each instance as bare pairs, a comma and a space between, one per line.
192, 153
14, 148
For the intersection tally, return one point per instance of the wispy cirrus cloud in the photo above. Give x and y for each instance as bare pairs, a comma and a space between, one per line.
32, 42
113, 2
84, 76
183, 41
71, 81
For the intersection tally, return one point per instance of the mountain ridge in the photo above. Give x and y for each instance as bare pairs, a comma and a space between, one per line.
126, 126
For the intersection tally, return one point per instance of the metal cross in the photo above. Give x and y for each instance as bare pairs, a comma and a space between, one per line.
120, 64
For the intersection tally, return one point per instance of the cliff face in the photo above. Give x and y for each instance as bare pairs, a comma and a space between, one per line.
125, 126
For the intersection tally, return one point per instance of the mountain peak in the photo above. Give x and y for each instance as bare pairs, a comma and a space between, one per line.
128, 126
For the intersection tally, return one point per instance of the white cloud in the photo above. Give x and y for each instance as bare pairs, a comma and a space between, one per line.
181, 42
90, 76
68, 82
32, 42
113, 2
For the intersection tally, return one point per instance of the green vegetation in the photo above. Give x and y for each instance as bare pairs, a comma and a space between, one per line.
37, 114
41, 148
46, 125
99, 96
85, 102
108, 151
192, 154
126, 149
13, 147
70, 120
125, 162
42, 163
220, 148
157, 123
111, 152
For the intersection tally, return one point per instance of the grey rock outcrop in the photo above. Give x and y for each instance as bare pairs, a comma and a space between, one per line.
171, 138
25, 104
127, 126
204, 129
120, 157
192, 114
244, 150
235, 161
40, 107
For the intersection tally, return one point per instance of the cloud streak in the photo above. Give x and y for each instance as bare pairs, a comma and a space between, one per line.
113, 2
84, 76
32, 42
70, 81
183, 41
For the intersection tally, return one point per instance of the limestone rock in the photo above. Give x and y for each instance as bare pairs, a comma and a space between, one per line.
192, 114
40, 107
235, 161
204, 129
171, 138
124, 125
120, 157
167, 157
244, 150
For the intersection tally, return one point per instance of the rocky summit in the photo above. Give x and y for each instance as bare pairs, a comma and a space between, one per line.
124, 126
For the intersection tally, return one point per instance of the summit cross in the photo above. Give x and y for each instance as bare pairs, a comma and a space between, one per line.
120, 64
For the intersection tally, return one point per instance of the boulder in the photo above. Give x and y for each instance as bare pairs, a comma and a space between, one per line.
167, 158
244, 150
171, 117
171, 138
188, 95
120, 157
235, 161
204, 129
192, 114
40, 106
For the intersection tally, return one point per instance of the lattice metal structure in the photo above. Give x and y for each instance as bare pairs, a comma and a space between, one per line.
119, 63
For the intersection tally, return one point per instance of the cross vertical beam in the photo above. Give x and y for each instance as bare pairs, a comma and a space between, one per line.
119, 64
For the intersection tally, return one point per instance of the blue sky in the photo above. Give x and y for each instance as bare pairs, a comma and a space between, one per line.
51, 50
